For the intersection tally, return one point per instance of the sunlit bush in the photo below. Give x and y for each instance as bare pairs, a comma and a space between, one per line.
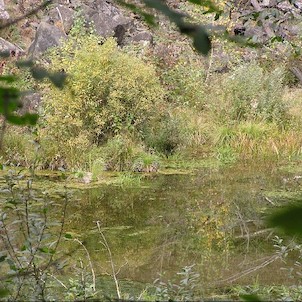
107, 91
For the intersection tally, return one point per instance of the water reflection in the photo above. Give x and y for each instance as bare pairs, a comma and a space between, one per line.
175, 220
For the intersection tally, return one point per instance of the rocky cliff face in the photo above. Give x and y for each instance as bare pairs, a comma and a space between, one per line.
52, 25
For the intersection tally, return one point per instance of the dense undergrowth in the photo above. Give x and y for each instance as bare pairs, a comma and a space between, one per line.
130, 109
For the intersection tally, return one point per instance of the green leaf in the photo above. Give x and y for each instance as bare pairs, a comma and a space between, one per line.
68, 236
8, 78
26, 119
38, 73
217, 16
250, 298
58, 79
149, 18
164, 9
206, 3
276, 39
46, 250
2, 258
12, 265
201, 41
3, 292
288, 220
25, 63
5, 54
9, 99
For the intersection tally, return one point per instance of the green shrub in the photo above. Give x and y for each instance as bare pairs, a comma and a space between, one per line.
185, 83
119, 153
19, 147
166, 134
252, 93
107, 92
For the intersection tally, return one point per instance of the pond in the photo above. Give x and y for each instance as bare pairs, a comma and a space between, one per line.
209, 223
212, 219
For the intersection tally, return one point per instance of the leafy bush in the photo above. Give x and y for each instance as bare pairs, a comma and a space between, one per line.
251, 93
119, 154
166, 134
18, 147
185, 83
107, 91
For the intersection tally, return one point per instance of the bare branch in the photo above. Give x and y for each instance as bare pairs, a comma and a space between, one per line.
30, 13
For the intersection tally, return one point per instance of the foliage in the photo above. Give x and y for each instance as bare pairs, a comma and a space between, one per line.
185, 83
122, 153
165, 134
181, 288
107, 92
119, 154
251, 93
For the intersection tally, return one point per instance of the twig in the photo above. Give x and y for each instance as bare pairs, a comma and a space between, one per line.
90, 263
2, 131
249, 271
270, 201
61, 19
247, 236
255, 234
59, 281
30, 13
61, 229
105, 243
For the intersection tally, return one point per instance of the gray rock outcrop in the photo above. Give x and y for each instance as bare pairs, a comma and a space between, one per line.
47, 36
6, 46
106, 19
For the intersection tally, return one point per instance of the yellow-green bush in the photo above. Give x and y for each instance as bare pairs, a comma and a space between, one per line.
107, 91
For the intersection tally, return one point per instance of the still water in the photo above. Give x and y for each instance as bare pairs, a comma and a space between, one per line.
212, 219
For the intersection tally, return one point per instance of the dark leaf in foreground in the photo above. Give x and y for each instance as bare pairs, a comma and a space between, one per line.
149, 18
27, 63
26, 119
7, 78
58, 79
250, 298
288, 219
201, 41
38, 73
5, 54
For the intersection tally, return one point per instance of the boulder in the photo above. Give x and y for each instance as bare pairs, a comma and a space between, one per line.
6, 46
62, 15
47, 36
143, 36
106, 18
